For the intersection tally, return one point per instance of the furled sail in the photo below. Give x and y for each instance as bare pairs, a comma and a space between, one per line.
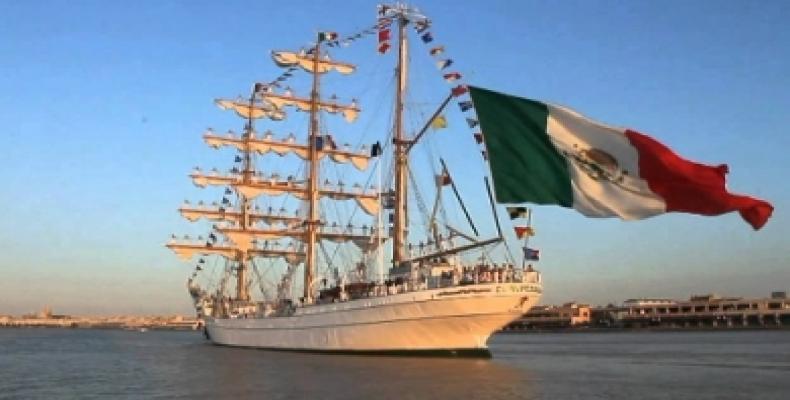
246, 239
218, 213
188, 249
245, 110
350, 112
213, 177
306, 62
258, 185
266, 143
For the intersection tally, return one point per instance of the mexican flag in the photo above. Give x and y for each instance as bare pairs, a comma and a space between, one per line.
547, 154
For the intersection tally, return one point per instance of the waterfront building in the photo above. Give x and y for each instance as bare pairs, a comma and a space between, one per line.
708, 310
648, 302
552, 317
699, 311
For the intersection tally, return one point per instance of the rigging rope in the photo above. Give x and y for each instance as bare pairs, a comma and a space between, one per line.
420, 202
259, 276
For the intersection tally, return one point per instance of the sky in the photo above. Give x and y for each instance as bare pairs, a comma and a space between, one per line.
102, 105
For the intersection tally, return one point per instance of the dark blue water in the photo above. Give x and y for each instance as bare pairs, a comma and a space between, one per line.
83, 364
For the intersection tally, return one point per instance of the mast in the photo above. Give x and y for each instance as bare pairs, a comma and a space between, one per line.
400, 219
312, 182
242, 292
526, 242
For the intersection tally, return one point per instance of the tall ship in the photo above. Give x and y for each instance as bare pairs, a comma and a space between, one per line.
296, 259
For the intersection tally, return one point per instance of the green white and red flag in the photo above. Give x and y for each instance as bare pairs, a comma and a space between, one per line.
548, 154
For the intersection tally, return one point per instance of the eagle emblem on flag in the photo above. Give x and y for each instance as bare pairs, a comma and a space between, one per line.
598, 164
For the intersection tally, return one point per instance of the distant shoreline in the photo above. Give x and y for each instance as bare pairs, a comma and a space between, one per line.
120, 323
100, 327
644, 329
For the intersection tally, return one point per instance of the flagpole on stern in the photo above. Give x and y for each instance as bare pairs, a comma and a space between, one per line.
526, 240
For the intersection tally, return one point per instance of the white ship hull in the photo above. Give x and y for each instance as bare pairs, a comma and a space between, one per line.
455, 320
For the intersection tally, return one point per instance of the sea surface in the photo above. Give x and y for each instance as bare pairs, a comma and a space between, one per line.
111, 364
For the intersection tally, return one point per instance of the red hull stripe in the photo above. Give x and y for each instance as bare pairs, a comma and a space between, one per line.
691, 187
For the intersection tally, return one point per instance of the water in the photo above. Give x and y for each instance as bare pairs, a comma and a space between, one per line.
84, 364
